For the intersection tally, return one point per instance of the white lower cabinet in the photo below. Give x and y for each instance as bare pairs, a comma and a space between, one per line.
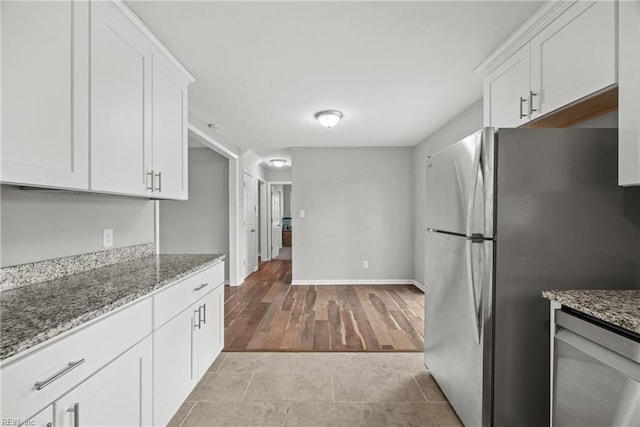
42, 419
131, 367
173, 374
187, 345
118, 395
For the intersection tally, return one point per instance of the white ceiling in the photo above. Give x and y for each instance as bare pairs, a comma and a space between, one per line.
397, 70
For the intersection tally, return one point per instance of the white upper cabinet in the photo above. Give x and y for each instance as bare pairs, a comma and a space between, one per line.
169, 131
629, 94
574, 56
45, 94
565, 52
139, 110
91, 101
120, 105
507, 89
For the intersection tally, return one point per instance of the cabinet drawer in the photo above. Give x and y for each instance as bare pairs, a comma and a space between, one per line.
171, 301
97, 344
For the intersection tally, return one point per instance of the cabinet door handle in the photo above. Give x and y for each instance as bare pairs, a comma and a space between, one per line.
200, 287
522, 101
531, 95
76, 414
150, 175
159, 187
196, 325
71, 365
204, 313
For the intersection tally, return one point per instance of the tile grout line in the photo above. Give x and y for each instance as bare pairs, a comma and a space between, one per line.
419, 388
244, 394
188, 413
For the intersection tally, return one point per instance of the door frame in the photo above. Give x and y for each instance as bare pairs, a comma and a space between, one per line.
270, 185
262, 223
249, 253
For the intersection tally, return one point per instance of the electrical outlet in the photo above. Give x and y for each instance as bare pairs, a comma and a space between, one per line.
107, 238
365, 264
301, 213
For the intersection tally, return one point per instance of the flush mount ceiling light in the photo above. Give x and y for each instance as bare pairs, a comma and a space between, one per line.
278, 163
328, 118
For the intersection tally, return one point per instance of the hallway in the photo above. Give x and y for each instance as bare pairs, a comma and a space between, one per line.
266, 313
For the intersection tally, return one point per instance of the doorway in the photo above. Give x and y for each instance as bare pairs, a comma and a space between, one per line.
279, 204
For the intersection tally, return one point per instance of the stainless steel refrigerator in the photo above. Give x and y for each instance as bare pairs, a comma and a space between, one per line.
509, 213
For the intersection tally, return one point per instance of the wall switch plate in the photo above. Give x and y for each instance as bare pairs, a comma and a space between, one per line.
301, 213
107, 238
365, 264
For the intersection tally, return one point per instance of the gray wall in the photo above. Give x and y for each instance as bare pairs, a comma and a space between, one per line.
200, 224
464, 124
37, 225
359, 206
286, 203
278, 174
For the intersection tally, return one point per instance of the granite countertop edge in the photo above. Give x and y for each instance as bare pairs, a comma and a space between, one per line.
617, 307
58, 329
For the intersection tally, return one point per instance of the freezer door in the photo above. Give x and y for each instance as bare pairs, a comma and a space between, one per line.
453, 355
455, 188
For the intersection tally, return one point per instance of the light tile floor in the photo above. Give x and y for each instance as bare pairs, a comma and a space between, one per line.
316, 389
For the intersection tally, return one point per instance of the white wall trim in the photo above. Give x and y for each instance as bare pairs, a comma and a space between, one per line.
419, 285
355, 282
208, 141
542, 17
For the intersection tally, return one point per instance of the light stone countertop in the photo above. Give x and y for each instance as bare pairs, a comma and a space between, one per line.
35, 313
618, 307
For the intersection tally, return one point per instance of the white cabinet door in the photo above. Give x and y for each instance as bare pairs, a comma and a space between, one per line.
45, 92
629, 94
169, 128
42, 419
174, 373
574, 56
120, 104
506, 92
210, 329
118, 395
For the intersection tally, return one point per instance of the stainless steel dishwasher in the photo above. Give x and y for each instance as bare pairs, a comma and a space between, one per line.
596, 374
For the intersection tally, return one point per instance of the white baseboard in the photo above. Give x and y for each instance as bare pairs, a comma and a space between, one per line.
419, 285
355, 282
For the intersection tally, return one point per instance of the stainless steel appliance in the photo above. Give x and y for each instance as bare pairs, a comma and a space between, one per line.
509, 213
597, 374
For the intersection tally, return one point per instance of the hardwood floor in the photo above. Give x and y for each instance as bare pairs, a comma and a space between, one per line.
268, 314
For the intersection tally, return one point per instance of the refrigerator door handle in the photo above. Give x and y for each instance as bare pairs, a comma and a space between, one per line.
472, 188
472, 291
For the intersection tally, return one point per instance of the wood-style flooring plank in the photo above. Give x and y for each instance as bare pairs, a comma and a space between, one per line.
267, 313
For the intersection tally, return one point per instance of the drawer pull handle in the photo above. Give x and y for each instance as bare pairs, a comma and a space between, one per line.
200, 287
42, 384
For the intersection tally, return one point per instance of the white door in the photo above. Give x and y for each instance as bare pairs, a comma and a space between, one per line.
45, 93
120, 105
169, 131
249, 221
507, 92
118, 395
